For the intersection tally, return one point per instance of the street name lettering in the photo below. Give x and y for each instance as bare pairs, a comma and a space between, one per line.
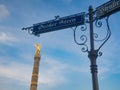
60, 23
55, 23
108, 8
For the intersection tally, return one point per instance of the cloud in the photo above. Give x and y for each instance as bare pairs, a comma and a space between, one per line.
4, 13
50, 72
7, 38
15, 71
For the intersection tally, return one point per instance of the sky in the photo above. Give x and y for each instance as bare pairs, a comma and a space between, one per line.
63, 65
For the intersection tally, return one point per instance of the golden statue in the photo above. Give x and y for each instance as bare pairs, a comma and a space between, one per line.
38, 47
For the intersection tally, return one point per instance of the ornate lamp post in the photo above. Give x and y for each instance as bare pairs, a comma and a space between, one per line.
92, 52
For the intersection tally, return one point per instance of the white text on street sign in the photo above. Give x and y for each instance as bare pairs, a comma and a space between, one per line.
60, 23
108, 8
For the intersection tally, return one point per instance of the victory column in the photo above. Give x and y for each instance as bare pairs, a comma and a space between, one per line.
35, 73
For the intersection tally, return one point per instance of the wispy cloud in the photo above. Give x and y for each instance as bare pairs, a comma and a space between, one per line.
7, 38
51, 71
15, 71
4, 13
22, 72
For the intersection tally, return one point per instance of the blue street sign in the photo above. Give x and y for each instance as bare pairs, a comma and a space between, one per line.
107, 8
59, 23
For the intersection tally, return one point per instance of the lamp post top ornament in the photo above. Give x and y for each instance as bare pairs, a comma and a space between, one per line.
38, 48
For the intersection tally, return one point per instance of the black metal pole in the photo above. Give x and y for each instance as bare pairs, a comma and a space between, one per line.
93, 54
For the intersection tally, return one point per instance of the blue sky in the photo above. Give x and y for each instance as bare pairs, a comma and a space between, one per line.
63, 66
